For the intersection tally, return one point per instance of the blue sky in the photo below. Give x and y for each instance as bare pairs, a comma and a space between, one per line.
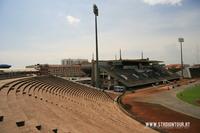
46, 31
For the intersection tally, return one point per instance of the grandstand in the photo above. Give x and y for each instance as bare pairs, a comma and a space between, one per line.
51, 104
191, 72
133, 73
194, 72
17, 73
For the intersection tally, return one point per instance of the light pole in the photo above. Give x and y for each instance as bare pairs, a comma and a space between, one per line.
96, 13
181, 40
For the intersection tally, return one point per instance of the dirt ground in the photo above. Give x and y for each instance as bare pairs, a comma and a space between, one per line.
198, 102
149, 112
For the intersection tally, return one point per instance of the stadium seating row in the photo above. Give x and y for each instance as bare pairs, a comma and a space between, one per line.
50, 104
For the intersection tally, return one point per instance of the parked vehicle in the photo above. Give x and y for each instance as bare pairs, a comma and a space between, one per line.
119, 88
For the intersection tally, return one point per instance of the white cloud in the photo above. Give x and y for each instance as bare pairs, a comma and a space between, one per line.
72, 20
163, 2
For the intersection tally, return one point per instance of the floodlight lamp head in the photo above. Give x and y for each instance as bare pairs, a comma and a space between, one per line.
95, 10
181, 39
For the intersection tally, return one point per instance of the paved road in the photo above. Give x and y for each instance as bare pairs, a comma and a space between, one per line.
169, 100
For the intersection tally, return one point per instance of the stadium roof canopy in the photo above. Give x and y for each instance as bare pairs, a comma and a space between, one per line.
130, 62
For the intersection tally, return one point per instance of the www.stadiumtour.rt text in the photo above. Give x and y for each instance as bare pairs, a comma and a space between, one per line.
168, 124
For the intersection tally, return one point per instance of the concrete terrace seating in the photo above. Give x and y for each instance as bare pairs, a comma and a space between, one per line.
50, 104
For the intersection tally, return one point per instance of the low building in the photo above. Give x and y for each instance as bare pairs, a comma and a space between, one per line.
175, 67
74, 61
17, 73
60, 70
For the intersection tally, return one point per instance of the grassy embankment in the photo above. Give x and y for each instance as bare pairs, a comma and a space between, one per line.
191, 95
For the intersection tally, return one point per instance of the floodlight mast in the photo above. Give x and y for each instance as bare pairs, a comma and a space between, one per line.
96, 13
95, 10
181, 40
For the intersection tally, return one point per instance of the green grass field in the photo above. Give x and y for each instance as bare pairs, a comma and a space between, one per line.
190, 95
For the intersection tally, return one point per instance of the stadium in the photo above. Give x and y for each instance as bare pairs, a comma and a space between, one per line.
48, 103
